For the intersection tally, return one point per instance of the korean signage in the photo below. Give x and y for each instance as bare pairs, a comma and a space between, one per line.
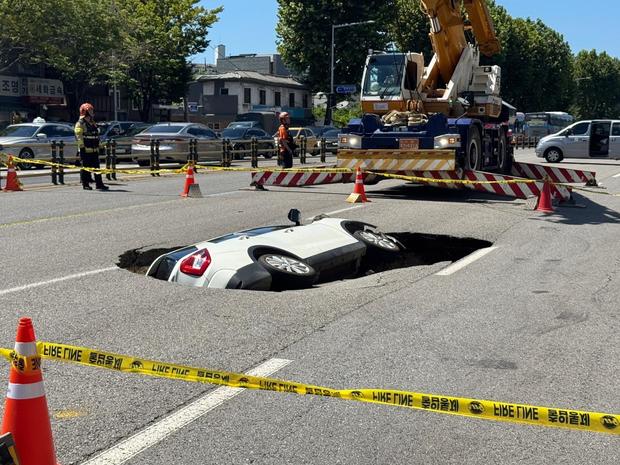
33, 90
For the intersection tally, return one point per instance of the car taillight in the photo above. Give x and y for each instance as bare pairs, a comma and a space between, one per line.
197, 263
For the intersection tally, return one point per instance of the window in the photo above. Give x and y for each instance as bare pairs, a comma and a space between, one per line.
247, 95
277, 99
305, 101
580, 129
262, 97
223, 91
291, 99
615, 129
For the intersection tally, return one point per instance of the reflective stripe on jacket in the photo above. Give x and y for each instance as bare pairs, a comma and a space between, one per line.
87, 135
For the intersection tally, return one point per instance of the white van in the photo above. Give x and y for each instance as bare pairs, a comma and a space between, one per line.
598, 139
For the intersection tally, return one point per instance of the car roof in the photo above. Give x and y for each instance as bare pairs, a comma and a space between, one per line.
38, 125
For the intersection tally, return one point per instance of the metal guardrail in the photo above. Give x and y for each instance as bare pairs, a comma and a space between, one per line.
191, 151
525, 142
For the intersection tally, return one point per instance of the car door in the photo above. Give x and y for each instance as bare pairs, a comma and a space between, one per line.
66, 134
208, 146
614, 141
575, 143
42, 144
599, 139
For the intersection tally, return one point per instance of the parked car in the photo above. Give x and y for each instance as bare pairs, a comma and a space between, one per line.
320, 130
311, 140
331, 140
33, 140
122, 132
598, 139
275, 257
240, 139
174, 141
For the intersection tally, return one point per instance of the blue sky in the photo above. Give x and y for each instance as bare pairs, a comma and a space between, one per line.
248, 26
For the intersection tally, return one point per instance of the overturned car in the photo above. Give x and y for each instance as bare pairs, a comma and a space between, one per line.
276, 257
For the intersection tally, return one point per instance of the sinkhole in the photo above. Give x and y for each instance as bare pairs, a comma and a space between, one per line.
417, 249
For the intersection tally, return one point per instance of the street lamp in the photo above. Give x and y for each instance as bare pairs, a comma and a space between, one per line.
328, 111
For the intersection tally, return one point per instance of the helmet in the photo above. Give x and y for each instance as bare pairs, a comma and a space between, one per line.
38, 120
284, 115
86, 109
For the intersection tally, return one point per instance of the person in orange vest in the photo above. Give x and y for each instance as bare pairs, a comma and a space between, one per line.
285, 141
87, 135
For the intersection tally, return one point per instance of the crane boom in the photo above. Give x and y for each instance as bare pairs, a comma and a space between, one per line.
483, 28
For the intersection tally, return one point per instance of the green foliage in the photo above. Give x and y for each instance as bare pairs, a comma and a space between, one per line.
340, 117
597, 77
142, 43
304, 31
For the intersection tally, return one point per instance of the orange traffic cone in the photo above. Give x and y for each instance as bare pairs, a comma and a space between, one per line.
544, 199
12, 183
25, 411
189, 180
359, 194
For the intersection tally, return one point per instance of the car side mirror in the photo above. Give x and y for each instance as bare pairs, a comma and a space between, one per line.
294, 216
569, 132
41, 135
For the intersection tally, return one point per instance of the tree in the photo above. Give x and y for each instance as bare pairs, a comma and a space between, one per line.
158, 38
304, 38
597, 77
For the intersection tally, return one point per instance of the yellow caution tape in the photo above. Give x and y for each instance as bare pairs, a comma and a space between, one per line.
438, 403
183, 170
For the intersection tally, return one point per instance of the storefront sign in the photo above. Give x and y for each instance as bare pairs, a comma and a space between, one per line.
33, 90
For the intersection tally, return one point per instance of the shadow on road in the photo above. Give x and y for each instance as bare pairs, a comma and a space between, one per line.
584, 212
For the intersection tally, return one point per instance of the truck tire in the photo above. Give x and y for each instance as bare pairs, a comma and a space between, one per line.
473, 154
504, 157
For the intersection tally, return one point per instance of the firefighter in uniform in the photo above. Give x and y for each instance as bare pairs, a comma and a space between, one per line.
87, 135
285, 141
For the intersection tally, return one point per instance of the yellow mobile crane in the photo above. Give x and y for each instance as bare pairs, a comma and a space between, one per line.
453, 104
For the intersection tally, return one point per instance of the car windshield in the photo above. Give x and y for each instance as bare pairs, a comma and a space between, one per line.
240, 124
103, 127
248, 232
166, 128
19, 131
331, 134
294, 132
233, 133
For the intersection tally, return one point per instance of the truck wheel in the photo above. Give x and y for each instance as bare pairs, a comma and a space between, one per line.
504, 157
473, 156
554, 155
287, 272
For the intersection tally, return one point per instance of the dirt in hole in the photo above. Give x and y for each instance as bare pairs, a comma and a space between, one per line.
420, 249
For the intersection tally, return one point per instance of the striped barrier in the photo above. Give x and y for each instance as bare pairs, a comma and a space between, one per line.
397, 160
561, 175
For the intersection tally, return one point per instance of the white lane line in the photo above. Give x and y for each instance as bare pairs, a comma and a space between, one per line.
57, 280
463, 262
157, 432
346, 209
616, 175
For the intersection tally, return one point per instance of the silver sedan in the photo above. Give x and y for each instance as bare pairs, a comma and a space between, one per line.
34, 140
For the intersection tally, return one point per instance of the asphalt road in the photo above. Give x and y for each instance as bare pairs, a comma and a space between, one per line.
535, 321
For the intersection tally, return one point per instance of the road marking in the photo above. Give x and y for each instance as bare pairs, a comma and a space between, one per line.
345, 209
616, 175
463, 262
150, 436
57, 280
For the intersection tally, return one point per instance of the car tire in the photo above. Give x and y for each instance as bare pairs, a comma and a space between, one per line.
287, 272
504, 157
238, 156
268, 155
553, 155
144, 163
377, 242
27, 153
473, 154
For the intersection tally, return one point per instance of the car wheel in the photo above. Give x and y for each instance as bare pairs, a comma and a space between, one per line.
287, 272
554, 155
144, 163
268, 155
377, 241
27, 153
473, 155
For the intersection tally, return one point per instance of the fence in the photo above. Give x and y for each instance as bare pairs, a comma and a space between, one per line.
220, 151
525, 142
